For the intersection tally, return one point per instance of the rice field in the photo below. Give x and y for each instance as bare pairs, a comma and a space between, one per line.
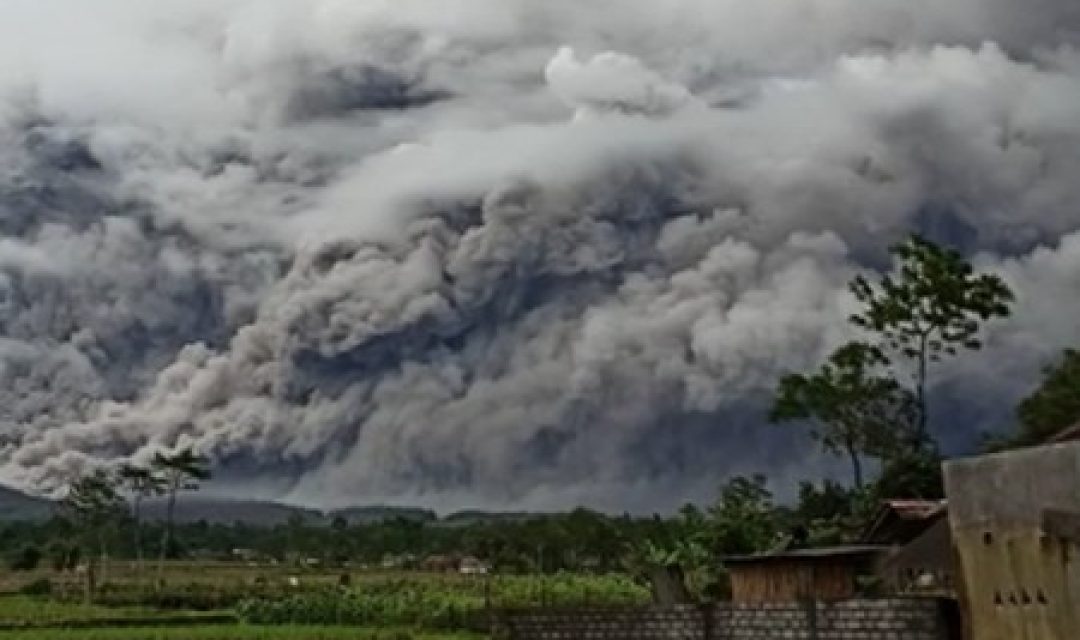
232, 632
239, 602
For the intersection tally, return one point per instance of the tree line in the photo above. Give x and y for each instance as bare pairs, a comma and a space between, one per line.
744, 518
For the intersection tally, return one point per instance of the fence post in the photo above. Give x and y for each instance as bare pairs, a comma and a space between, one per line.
810, 605
708, 613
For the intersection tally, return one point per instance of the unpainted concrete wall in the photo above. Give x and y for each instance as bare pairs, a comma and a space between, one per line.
885, 619
1018, 582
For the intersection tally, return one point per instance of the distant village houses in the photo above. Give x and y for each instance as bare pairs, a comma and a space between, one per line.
466, 565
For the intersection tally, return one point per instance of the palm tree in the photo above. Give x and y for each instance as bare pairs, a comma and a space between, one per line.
142, 483
180, 471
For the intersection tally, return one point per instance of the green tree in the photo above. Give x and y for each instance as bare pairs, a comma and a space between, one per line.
63, 556
932, 308
856, 411
832, 513
141, 483
26, 558
1054, 406
910, 473
95, 505
295, 526
744, 519
181, 471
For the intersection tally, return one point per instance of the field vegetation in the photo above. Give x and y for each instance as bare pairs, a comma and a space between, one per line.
234, 632
222, 600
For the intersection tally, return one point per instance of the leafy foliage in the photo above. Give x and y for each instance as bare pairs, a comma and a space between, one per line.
744, 518
859, 412
932, 309
1053, 406
831, 514
238, 632
180, 471
439, 604
93, 501
141, 483
911, 473
26, 558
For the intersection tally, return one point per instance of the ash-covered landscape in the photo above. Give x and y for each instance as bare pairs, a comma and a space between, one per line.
495, 281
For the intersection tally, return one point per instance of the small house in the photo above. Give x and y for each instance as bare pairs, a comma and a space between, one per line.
440, 563
920, 559
826, 574
470, 565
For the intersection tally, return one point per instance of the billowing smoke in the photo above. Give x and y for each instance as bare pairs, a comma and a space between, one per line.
504, 252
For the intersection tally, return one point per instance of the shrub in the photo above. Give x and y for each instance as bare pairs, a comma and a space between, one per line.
39, 587
25, 559
438, 603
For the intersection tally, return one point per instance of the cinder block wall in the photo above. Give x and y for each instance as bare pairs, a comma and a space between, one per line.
886, 619
671, 623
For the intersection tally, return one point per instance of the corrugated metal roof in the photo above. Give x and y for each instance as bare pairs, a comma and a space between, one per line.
916, 509
1067, 435
810, 554
899, 521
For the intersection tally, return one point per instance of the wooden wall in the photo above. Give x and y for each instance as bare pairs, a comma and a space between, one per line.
792, 581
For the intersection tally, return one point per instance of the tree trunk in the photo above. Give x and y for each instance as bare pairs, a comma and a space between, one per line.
920, 395
103, 545
167, 538
856, 465
668, 585
136, 515
89, 595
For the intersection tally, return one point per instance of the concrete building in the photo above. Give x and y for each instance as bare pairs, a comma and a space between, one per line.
1015, 521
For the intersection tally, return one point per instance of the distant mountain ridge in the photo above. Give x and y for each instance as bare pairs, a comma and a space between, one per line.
15, 505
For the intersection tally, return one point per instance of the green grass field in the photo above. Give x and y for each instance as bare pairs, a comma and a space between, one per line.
232, 632
214, 601
16, 609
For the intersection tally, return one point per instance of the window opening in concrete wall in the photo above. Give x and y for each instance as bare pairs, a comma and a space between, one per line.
988, 538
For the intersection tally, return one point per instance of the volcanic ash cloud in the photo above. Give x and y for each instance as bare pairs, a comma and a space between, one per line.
503, 253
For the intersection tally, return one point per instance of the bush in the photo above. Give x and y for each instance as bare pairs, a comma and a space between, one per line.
63, 556
25, 559
443, 604
411, 607
39, 587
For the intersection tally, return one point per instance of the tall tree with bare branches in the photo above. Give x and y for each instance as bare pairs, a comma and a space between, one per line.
141, 483
180, 471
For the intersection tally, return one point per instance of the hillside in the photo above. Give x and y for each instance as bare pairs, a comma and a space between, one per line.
19, 506
15, 505
378, 513
193, 508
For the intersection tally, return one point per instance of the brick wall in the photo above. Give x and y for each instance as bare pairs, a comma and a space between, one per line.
886, 619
